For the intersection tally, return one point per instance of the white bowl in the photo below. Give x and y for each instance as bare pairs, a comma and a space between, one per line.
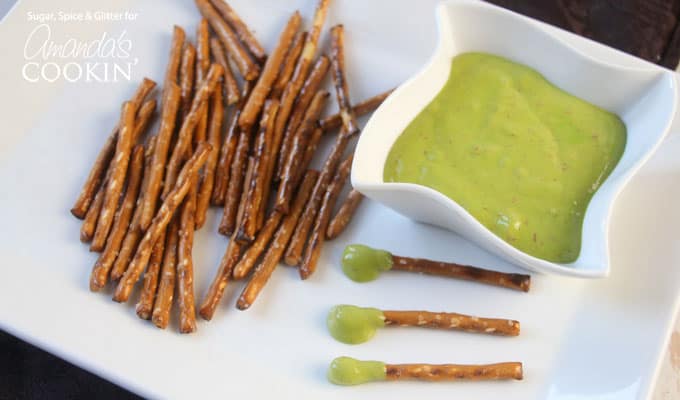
644, 98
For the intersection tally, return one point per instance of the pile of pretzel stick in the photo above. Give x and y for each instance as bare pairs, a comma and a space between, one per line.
238, 129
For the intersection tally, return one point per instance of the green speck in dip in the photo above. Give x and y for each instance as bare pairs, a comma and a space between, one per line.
519, 154
362, 264
348, 371
352, 324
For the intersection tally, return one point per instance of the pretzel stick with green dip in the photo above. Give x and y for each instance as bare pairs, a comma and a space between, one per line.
348, 371
353, 325
362, 264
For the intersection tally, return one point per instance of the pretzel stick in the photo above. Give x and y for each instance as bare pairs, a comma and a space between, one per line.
344, 215
160, 155
150, 281
495, 326
171, 70
231, 256
185, 263
511, 281
102, 268
309, 90
297, 242
288, 66
114, 185
245, 265
310, 151
269, 73
166, 286
101, 164
454, 372
296, 154
230, 86
249, 70
241, 29
235, 187
313, 250
334, 121
187, 71
255, 188
202, 66
349, 120
206, 88
293, 88
134, 233
90, 223
227, 152
278, 245
160, 222
214, 136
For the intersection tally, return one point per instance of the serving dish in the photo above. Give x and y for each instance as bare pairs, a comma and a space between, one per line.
645, 99
581, 339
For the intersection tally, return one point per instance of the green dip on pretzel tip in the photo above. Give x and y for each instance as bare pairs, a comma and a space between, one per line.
363, 264
352, 324
348, 371
521, 155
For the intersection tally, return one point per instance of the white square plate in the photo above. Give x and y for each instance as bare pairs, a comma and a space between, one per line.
580, 339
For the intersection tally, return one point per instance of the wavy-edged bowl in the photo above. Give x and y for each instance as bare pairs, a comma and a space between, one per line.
644, 98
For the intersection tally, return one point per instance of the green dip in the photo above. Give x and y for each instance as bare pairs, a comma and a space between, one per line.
353, 325
349, 371
363, 264
519, 154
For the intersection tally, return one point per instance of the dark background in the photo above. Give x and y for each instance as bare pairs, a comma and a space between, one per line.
645, 28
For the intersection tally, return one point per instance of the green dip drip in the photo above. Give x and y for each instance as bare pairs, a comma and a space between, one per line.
348, 371
362, 264
352, 324
519, 154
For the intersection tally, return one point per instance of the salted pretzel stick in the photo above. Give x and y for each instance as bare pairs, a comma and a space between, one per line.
231, 140
101, 164
318, 236
310, 151
185, 263
214, 137
297, 242
349, 119
160, 222
160, 154
206, 88
447, 320
369, 371
90, 221
309, 90
134, 233
241, 29
230, 86
292, 90
454, 372
269, 73
334, 121
186, 80
247, 261
288, 66
102, 268
150, 281
114, 185
166, 285
278, 245
231, 256
297, 150
171, 70
235, 187
255, 188
91, 218
249, 69
202, 66
344, 215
